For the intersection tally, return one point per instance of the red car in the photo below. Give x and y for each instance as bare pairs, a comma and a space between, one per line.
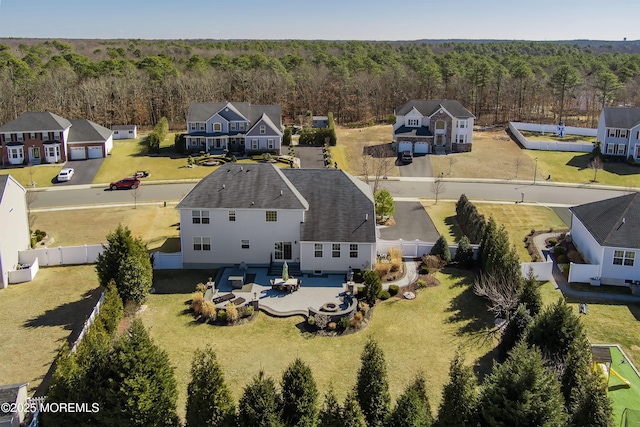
125, 183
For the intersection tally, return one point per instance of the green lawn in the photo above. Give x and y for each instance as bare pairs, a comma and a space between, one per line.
517, 219
36, 318
42, 175
418, 335
574, 167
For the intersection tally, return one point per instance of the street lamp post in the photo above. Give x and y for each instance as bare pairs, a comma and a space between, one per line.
535, 171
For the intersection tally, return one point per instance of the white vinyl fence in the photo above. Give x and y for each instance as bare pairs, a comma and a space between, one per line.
581, 147
543, 271
163, 261
88, 322
583, 273
61, 255
24, 275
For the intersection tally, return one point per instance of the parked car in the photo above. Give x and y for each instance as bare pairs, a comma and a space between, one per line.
125, 183
65, 174
407, 157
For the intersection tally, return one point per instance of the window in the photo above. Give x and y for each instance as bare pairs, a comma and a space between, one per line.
15, 152
233, 125
241, 125
202, 126
610, 148
335, 250
130, 132
115, 132
624, 258
353, 250
318, 250
617, 133
56, 135
440, 124
245, 244
32, 135
263, 129
461, 139
202, 243
254, 144
232, 216
621, 148
200, 217
270, 144
283, 250
20, 137
462, 124
193, 126
412, 122
7, 137
271, 216
217, 127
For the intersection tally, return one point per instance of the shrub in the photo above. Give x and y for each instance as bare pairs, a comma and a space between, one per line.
393, 290
321, 320
197, 300
424, 269
558, 250
201, 287
565, 268
395, 255
384, 295
40, 235
232, 313
332, 326
208, 310
422, 283
311, 320
441, 249
345, 322
222, 315
532, 232
434, 262
356, 322
180, 143
249, 310
563, 259
382, 268
553, 242
363, 307
360, 290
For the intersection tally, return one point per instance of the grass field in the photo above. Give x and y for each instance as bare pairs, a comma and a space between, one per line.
517, 219
157, 226
37, 317
418, 335
42, 175
352, 142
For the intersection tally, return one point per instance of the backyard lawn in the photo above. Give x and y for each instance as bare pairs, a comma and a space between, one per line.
351, 143
42, 175
36, 318
537, 136
157, 226
418, 335
517, 219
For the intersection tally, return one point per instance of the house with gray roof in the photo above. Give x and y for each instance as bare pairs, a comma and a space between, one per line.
427, 126
16, 396
44, 137
320, 219
619, 131
607, 234
15, 235
238, 127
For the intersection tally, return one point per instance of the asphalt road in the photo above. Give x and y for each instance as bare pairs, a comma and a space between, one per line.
412, 222
420, 167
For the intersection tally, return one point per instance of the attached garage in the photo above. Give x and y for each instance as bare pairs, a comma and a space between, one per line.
404, 146
421, 147
77, 153
95, 152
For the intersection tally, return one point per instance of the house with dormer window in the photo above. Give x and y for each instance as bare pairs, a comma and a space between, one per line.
619, 131
237, 127
428, 126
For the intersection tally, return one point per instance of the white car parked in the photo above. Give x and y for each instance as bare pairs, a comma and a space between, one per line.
65, 174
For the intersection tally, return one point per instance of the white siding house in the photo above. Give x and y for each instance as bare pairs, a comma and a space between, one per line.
16, 396
124, 131
619, 131
321, 219
606, 233
14, 235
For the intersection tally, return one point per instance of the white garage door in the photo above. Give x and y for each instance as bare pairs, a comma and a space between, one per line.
95, 152
421, 147
404, 146
78, 153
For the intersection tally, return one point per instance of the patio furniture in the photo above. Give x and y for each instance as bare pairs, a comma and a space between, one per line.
238, 301
237, 277
223, 298
289, 285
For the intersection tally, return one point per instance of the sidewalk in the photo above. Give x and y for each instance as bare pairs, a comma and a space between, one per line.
560, 282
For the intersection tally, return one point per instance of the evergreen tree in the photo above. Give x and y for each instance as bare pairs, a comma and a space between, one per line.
459, 396
520, 392
258, 405
372, 287
515, 330
460, 205
441, 248
209, 401
299, 396
591, 406
352, 414
384, 204
112, 310
530, 294
412, 408
464, 253
330, 414
372, 388
134, 282
487, 243
286, 136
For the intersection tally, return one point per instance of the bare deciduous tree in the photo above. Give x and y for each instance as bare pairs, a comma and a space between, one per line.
451, 162
375, 162
518, 163
595, 164
501, 292
437, 187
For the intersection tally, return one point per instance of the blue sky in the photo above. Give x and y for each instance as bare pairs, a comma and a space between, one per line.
328, 19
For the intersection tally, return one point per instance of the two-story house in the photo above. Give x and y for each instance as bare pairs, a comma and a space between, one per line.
619, 131
15, 235
323, 219
427, 126
43, 137
237, 127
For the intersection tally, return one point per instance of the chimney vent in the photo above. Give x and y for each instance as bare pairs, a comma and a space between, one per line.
366, 217
224, 186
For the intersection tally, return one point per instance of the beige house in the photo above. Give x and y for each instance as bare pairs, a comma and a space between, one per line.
14, 235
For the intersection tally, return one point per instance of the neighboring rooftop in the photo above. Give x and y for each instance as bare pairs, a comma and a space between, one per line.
612, 222
621, 117
411, 131
9, 394
36, 122
429, 107
4, 179
203, 111
123, 127
83, 130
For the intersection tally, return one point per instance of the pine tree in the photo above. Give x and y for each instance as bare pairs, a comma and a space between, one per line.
530, 294
464, 253
112, 310
441, 248
330, 414
591, 405
487, 244
258, 405
372, 388
521, 392
459, 396
372, 287
515, 330
299, 396
412, 408
352, 414
209, 401
133, 281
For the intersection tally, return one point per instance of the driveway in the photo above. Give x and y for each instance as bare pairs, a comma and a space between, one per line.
412, 222
84, 171
310, 157
420, 167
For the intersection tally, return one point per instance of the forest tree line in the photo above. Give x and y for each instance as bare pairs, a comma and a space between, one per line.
140, 81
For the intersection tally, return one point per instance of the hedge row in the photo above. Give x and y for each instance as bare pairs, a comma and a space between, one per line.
468, 216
